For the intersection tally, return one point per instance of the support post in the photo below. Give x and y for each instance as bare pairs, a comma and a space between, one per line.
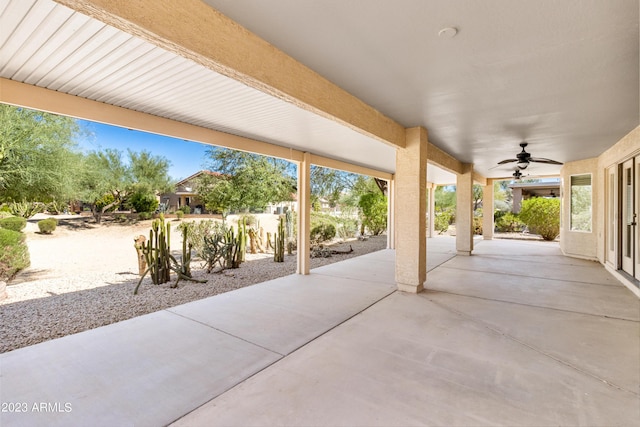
391, 228
304, 213
487, 210
464, 211
432, 210
410, 211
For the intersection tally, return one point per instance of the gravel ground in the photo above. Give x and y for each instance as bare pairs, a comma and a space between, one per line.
83, 277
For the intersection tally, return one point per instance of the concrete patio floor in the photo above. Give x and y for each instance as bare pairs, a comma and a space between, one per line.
516, 334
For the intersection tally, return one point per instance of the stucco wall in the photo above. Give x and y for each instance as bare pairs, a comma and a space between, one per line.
580, 244
621, 151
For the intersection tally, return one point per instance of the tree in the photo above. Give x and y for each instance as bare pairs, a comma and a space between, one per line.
331, 183
39, 160
245, 180
374, 212
108, 181
367, 196
150, 175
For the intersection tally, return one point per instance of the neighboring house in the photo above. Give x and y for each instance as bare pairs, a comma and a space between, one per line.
185, 195
282, 207
525, 190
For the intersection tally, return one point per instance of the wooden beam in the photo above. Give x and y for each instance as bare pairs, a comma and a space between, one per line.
194, 30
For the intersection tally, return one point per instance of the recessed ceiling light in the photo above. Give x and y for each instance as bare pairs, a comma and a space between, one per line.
448, 32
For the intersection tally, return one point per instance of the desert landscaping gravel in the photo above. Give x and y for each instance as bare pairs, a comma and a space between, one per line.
83, 277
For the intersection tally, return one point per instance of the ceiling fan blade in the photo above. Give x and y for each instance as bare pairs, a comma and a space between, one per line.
507, 161
543, 160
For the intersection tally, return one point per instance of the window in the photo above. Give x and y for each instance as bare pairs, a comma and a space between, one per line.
581, 203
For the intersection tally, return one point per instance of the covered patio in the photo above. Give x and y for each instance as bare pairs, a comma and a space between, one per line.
527, 338
505, 332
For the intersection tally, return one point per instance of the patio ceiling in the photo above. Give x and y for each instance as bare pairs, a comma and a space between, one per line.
562, 76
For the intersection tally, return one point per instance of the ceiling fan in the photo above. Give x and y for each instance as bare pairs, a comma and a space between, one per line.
523, 158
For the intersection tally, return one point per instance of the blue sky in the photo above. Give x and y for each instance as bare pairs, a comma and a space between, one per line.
186, 157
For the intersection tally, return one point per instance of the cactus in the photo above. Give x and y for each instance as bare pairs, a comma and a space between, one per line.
156, 253
183, 268
235, 246
278, 244
289, 231
213, 251
160, 262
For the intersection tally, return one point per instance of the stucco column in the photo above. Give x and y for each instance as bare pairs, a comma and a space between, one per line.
464, 211
432, 210
391, 228
487, 210
304, 213
410, 211
517, 200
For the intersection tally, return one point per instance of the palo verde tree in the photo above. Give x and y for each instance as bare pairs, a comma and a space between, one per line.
244, 180
39, 160
109, 181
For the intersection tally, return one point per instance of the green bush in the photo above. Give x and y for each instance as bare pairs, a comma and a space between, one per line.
477, 222
442, 221
346, 227
55, 207
374, 212
14, 254
542, 216
509, 223
250, 220
144, 215
15, 223
143, 202
185, 209
179, 215
47, 226
323, 233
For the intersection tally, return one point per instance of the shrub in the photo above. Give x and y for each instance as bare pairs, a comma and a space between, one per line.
55, 207
542, 216
14, 254
322, 233
346, 228
374, 212
442, 221
14, 223
250, 220
144, 215
47, 226
509, 223
120, 218
179, 215
197, 231
143, 202
477, 222
185, 209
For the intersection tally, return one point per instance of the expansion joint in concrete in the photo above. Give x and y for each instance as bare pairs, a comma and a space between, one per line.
531, 347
